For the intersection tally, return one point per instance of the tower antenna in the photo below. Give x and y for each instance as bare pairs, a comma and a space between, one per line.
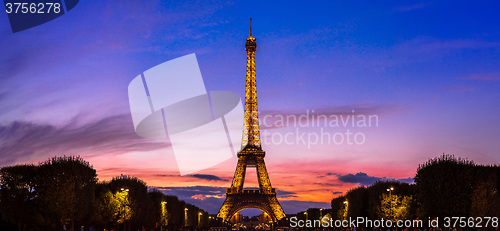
250, 26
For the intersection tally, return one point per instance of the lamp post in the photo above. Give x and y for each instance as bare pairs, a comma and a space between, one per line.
186, 216
199, 218
320, 213
125, 215
163, 215
390, 198
305, 213
346, 207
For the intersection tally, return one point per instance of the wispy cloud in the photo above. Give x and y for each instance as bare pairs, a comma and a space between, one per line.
23, 141
208, 177
459, 89
485, 77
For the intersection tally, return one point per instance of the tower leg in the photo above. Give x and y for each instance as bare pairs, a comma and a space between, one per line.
239, 175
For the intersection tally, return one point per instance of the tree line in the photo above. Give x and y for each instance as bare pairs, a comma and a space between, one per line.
63, 193
444, 186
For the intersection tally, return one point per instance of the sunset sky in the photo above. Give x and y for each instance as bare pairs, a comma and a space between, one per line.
428, 71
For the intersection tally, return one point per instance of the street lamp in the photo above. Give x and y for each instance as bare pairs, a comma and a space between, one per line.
345, 208
390, 198
199, 218
320, 213
186, 216
125, 216
164, 211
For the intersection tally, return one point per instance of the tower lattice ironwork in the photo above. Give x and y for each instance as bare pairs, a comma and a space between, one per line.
251, 155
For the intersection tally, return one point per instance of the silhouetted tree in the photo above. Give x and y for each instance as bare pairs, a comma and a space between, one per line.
313, 213
445, 186
339, 207
18, 195
358, 202
107, 209
175, 211
65, 186
485, 199
135, 191
156, 215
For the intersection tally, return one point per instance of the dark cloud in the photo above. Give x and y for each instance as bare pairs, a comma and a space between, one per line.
285, 194
208, 177
207, 197
211, 198
360, 177
408, 180
336, 193
327, 184
207, 191
190, 191
21, 141
334, 174
293, 206
364, 179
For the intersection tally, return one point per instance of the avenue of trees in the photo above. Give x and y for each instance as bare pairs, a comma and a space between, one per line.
64, 193
444, 187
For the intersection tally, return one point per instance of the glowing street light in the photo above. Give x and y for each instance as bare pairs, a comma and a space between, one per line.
164, 220
346, 203
126, 216
390, 198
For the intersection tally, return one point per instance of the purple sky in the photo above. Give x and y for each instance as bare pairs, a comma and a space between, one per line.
428, 70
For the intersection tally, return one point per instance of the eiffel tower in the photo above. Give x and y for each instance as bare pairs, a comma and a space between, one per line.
251, 155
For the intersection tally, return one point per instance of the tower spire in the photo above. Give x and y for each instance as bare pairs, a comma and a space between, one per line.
250, 27
251, 133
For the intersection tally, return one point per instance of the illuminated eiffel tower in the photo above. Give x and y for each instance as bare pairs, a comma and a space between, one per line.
251, 155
